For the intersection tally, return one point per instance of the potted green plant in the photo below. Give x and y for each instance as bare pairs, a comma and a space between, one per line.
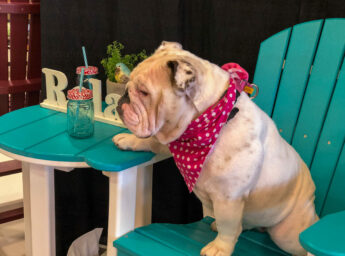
114, 57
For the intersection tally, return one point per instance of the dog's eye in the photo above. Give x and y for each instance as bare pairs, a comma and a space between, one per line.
143, 93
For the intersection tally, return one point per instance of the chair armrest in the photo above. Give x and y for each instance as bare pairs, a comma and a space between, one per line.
326, 237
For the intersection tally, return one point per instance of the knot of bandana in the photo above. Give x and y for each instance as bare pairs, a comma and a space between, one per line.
237, 75
191, 149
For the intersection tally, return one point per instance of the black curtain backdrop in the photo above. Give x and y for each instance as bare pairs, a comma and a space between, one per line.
219, 30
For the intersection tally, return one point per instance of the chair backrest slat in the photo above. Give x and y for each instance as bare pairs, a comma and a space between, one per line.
34, 56
18, 44
325, 70
335, 200
20, 54
330, 143
268, 68
306, 100
4, 103
303, 43
3, 46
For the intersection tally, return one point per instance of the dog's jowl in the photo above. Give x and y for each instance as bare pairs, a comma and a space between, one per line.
227, 149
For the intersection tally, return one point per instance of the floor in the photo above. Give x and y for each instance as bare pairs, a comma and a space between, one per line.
11, 192
11, 197
12, 238
11, 189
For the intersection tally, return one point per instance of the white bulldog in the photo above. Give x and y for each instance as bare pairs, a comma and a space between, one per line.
252, 178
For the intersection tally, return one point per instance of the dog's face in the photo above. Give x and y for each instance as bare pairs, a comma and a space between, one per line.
165, 92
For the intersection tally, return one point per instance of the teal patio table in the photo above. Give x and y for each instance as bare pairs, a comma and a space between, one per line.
37, 137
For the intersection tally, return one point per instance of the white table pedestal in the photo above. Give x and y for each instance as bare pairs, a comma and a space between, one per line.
130, 201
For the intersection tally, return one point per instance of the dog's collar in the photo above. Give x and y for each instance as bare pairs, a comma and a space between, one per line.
191, 149
239, 78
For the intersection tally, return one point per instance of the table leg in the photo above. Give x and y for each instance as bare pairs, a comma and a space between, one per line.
27, 212
122, 196
39, 210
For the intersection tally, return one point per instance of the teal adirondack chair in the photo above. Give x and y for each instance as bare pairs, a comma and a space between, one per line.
301, 75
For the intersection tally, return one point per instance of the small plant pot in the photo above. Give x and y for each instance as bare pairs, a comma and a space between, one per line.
113, 87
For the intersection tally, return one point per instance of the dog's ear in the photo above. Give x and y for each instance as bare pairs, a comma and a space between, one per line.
183, 77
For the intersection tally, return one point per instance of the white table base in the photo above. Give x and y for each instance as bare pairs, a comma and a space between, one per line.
130, 201
39, 209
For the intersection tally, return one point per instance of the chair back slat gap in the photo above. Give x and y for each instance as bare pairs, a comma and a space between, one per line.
335, 200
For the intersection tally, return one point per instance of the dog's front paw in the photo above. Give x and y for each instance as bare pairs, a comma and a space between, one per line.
125, 141
217, 248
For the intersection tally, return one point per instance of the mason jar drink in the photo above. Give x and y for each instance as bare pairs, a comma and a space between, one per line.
80, 113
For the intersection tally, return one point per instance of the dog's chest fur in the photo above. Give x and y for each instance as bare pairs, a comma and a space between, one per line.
248, 156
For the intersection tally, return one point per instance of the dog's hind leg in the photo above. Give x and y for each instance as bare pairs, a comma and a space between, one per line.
214, 226
207, 210
286, 233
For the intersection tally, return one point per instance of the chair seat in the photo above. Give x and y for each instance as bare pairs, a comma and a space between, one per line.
189, 239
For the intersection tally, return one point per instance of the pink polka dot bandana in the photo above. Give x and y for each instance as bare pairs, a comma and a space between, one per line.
191, 149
